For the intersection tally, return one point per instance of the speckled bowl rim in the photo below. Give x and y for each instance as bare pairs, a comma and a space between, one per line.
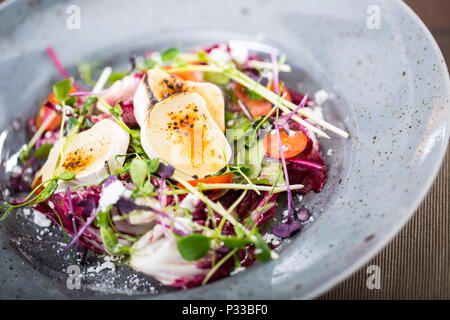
380, 244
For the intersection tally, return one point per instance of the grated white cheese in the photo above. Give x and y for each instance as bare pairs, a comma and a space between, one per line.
103, 266
320, 97
26, 212
111, 194
270, 238
41, 220
220, 55
239, 53
189, 202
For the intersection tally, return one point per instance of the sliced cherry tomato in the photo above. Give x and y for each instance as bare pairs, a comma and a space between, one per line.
292, 144
226, 178
257, 108
45, 112
284, 92
189, 75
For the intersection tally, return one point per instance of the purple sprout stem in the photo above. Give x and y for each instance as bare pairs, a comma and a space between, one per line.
69, 199
286, 176
160, 191
273, 57
181, 233
81, 231
52, 54
244, 109
283, 160
308, 164
86, 93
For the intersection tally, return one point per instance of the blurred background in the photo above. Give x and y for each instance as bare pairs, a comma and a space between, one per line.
415, 265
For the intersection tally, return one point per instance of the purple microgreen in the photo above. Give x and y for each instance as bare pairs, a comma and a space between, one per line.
52, 54
87, 93
284, 120
126, 205
71, 211
69, 200
109, 180
162, 185
80, 232
276, 83
286, 176
303, 214
165, 171
87, 205
179, 232
283, 160
287, 229
308, 164
244, 109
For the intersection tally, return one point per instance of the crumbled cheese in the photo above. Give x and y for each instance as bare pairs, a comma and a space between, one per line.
299, 197
220, 55
111, 194
26, 212
41, 220
258, 251
16, 171
181, 223
51, 205
321, 97
103, 266
317, 111
329, 152
69, 110
268, 74
239, 53
189, 202
270, 238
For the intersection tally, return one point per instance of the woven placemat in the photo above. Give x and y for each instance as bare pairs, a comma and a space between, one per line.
416, 264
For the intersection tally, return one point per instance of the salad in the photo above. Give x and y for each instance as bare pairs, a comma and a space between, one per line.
175, 165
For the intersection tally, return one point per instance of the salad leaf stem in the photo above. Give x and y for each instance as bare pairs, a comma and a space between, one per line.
65, 235
25, 153
285, 105
218, 264
216, 206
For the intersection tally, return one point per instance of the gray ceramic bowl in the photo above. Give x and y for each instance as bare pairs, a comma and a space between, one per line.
390, 90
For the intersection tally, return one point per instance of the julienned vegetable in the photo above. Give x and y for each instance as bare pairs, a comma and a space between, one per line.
174, 166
